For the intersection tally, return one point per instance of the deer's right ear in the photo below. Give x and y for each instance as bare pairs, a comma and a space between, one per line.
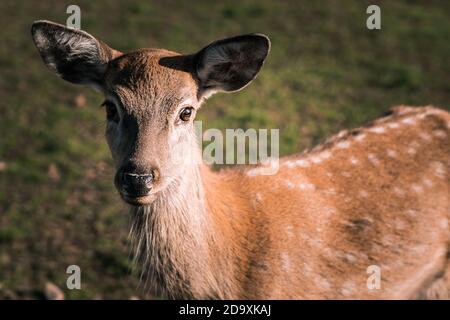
74, 55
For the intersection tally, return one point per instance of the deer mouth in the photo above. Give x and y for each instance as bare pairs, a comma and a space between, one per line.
138, 200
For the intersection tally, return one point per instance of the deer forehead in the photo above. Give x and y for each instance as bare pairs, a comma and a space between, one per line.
151, 80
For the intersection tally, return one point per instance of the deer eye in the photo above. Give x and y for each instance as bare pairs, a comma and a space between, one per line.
111, 111
186, 113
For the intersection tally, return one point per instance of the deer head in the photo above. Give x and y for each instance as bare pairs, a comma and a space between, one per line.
151, 97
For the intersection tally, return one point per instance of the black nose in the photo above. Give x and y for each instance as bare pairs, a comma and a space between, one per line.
137, 185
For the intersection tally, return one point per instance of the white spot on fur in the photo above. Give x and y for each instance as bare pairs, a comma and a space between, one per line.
290, 231
254, 172
267, 167
306, 186
425, 136
443, 223
329, 210
321, 282
422, 116
391, 153
307, 268
363, 194
438, 169
373, 159
348, 288
330, 191
311, 241
440, 134
427, 182
417, 188
377, 130
325, 154
285, 262
420, 249
413, 147
350, 257
290, 164
388, 240
354, 161
360, 137
409, 121
393, 125
437, 112
346, 174
343, 145
400, 224
399, 192
316, 159
302, 163
411, 151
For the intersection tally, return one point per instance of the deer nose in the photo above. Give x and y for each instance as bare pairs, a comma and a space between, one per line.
137, 185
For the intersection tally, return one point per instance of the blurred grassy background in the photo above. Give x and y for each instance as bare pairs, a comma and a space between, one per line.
326, 71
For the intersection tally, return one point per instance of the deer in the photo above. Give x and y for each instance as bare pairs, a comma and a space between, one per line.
377, 196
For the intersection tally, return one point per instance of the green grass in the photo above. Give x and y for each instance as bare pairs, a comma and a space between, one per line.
326, 72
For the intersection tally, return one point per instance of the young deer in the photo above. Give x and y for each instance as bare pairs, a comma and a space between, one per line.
378, 195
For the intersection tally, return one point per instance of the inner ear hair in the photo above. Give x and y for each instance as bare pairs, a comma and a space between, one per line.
231, 64
74, 55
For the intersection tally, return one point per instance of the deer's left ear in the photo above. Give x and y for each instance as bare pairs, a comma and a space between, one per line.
74, 55
230, 64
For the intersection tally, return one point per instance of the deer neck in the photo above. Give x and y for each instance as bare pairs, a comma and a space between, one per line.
185, 240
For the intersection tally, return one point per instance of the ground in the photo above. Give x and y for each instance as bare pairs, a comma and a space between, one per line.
326, 71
